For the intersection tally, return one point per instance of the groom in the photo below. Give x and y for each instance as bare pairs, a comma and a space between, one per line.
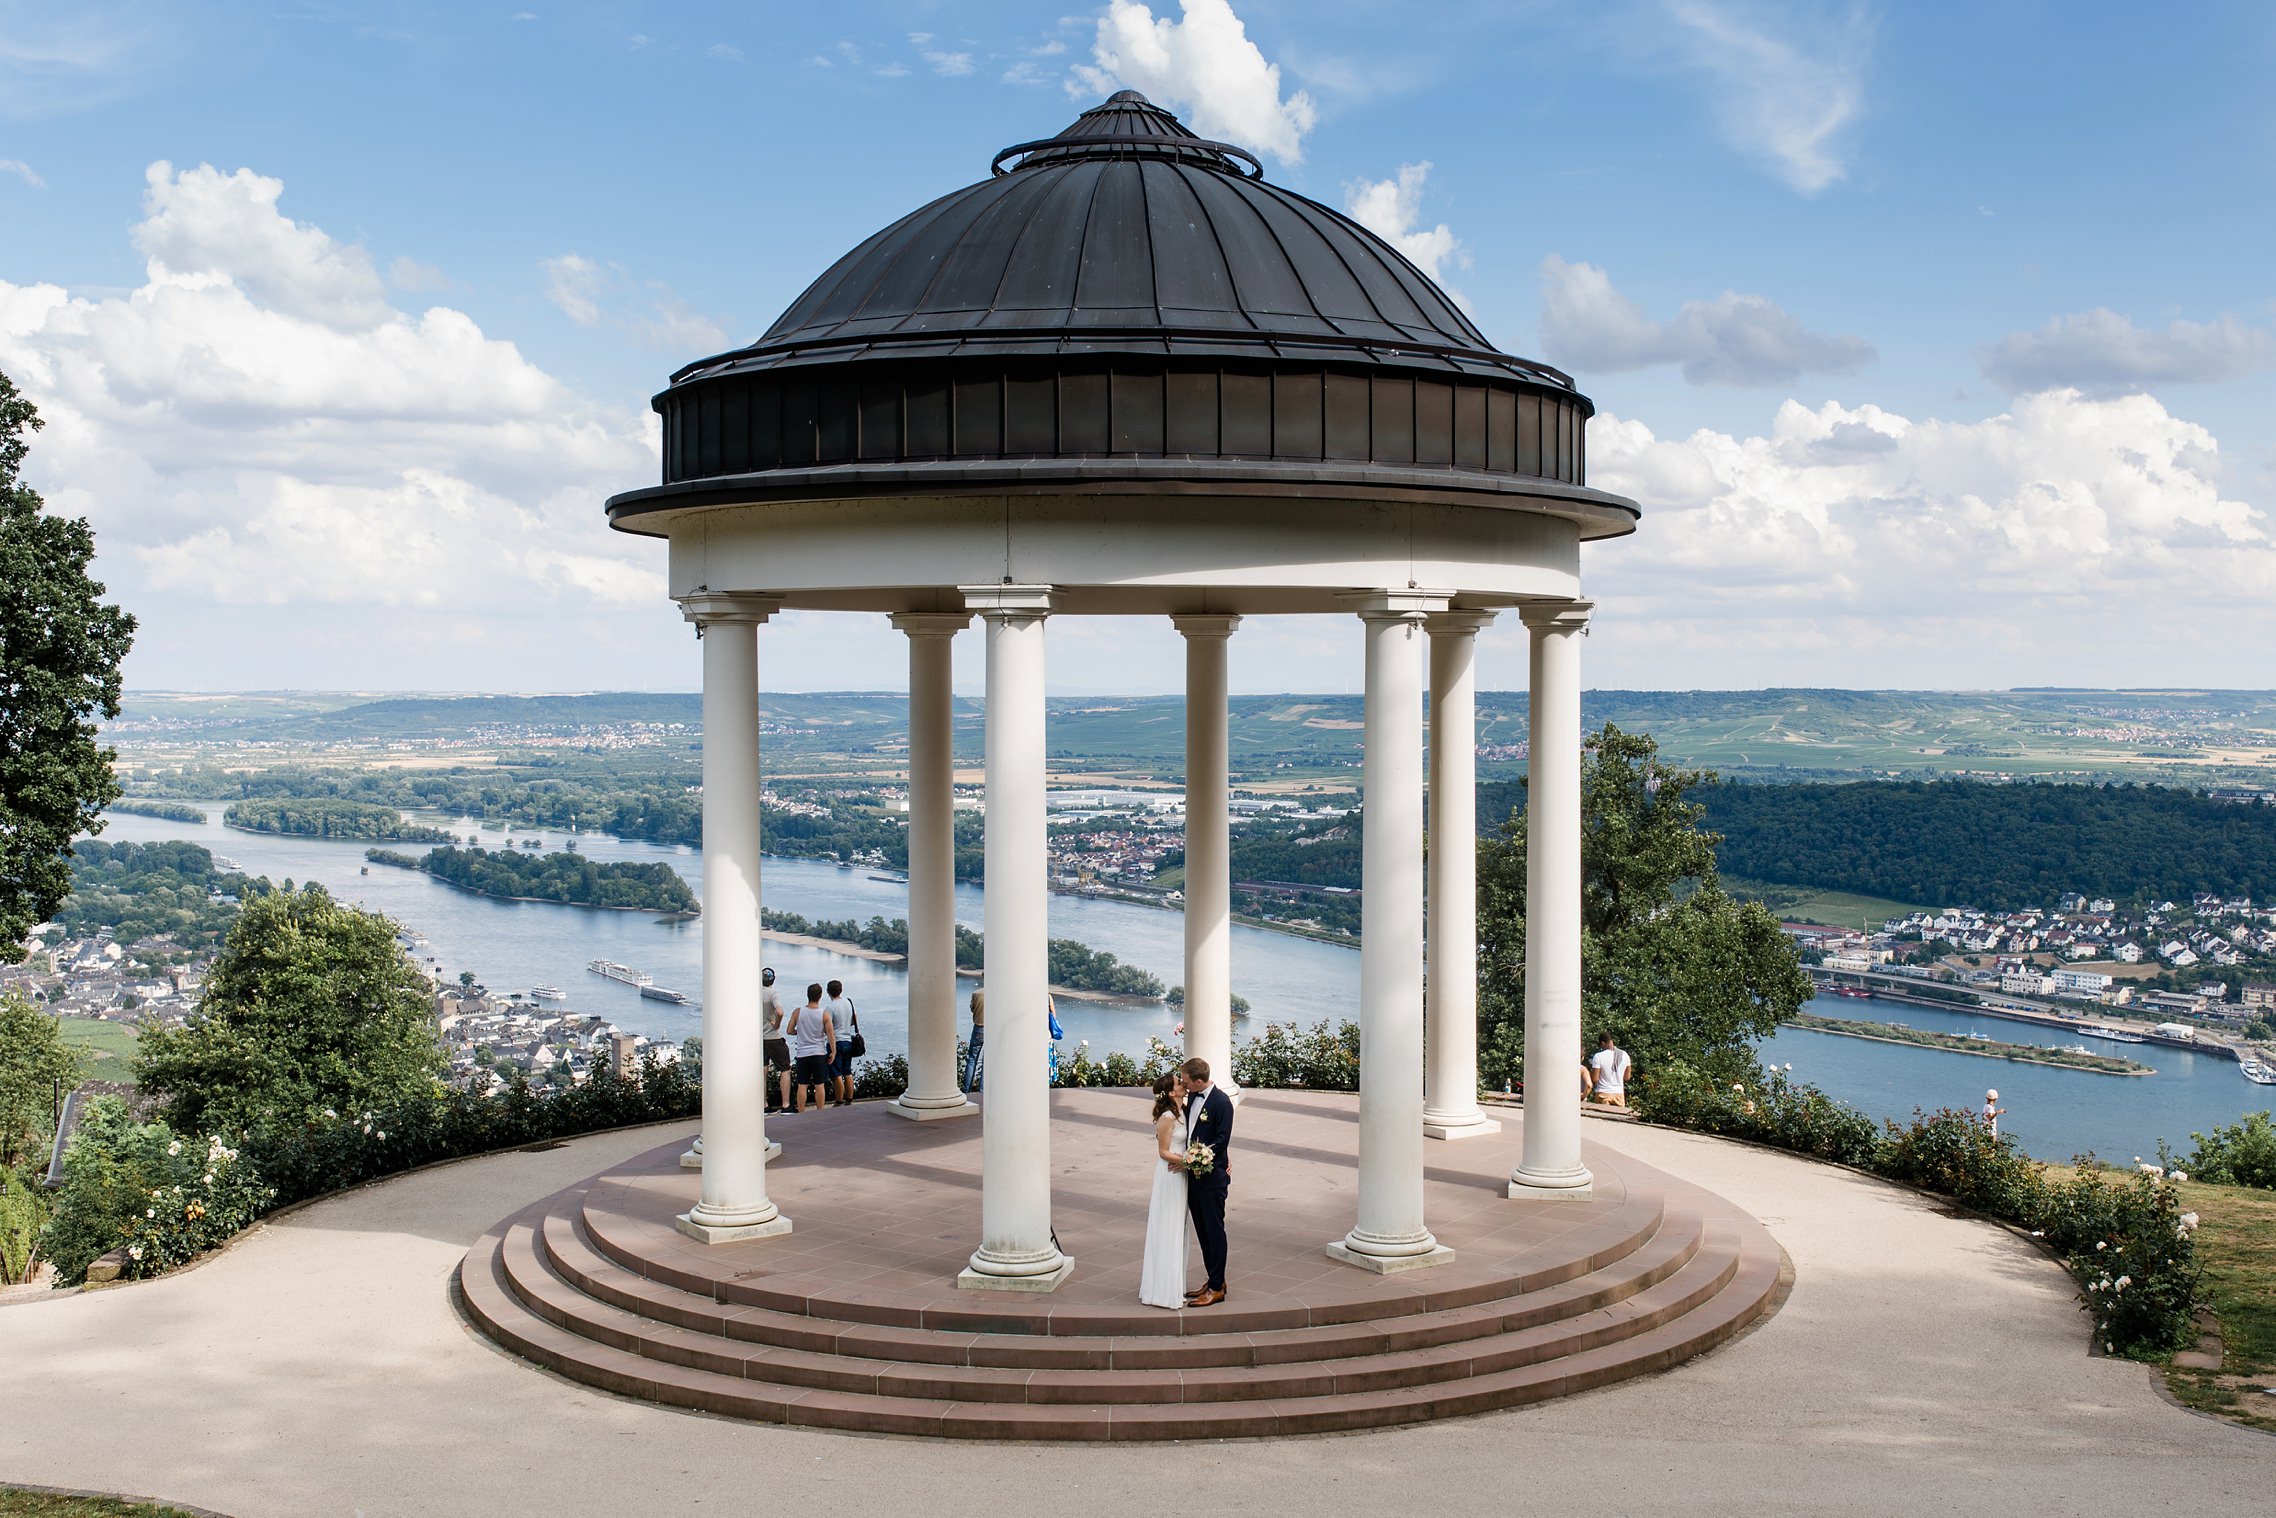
1209, 1120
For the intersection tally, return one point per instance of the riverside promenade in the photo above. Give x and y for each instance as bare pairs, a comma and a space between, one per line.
1922, 1363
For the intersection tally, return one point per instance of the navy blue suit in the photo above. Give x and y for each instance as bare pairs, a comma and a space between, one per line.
1209, 1120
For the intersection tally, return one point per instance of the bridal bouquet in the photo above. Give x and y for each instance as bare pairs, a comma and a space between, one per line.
1200, 1159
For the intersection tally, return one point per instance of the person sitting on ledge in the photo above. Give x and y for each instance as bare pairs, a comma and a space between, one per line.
1606, 1073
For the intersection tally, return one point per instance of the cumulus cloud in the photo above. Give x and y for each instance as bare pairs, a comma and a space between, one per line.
1588, 325
1390, 208
255, 425
1203, 66
1785, 90
1855, 545
2105, 353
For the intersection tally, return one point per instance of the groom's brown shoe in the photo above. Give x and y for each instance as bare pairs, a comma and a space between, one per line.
1206, 1298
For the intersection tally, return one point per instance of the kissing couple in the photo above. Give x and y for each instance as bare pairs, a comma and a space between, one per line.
1193, 1136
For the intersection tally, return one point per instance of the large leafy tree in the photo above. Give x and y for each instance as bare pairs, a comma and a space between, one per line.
34, 1059
60, 648
1672, 966
311, 1005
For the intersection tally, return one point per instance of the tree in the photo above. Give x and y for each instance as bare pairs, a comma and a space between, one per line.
33, 1058
60, 649
310, 1006
1672, 966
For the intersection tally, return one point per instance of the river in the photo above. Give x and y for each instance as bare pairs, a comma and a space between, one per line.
512, 946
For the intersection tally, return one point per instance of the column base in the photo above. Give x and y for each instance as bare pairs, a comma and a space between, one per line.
706, 1233
1577, 1186
1456, 1125
1390, 1264
693, 1159
959, 1108
969, 1279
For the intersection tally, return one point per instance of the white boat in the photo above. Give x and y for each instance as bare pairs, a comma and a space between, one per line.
658, 993
614, 971
548, 993
2258, 1073
2115, 1035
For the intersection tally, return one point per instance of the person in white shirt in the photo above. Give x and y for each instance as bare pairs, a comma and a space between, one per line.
810, 1045
775, 1049
1608, 1073
844, 1023
1993, 1112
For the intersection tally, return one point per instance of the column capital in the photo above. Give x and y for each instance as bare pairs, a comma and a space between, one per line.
1396, 605
1012, 602
1556, 616
1194, 624
1460, 623
931, 624
705, 607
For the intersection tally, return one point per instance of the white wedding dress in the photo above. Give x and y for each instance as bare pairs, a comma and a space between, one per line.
1161, 1282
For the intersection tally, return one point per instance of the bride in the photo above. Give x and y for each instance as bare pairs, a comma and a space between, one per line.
1161, 1283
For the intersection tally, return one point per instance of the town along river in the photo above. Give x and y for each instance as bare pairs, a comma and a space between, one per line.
511, 946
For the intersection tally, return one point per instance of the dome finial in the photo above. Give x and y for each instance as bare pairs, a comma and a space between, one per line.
1127, 97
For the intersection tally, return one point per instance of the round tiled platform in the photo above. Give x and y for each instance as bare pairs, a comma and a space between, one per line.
853, 1320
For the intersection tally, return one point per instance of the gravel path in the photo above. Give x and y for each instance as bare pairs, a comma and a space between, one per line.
1922, 1364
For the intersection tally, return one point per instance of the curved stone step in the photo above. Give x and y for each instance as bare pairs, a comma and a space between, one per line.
1629, 1306
572, 1256
1614, 1229
1722, 1290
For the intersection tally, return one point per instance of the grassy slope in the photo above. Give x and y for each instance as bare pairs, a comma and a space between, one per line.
111, 1044
2236, 1243
18, 1503
1809, 904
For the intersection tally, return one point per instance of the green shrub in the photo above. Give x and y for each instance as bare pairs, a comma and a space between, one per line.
1322, 1057
140, 1187
1079, 1069
876, 1079
2130, 1246
1956, 1154
2242, 1154
23, 1216
1771, 1109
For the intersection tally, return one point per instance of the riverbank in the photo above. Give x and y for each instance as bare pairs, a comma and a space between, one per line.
664, 914
963, 972
1953, 1043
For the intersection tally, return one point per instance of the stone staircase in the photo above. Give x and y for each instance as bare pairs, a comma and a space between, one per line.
1650, 1275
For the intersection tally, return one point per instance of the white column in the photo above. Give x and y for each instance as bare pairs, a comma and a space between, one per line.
1390, 1233
1551, 1165
1016, 1252
1450, 1085
1208, 849
734, 1202
933, 1088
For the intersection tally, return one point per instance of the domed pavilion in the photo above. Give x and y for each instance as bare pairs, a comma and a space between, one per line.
1127, 375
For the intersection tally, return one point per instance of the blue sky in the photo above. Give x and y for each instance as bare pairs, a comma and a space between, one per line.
1935, 340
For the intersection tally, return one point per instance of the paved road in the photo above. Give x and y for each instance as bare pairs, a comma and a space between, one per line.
1923, 1364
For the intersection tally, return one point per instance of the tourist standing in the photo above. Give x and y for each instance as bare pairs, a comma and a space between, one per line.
775, 1048
973, 1049
1051, 1012
844, 1024
1608, 1073
810, 1045
1993, 1112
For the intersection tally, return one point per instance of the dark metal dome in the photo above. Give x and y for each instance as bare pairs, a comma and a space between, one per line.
1127, 295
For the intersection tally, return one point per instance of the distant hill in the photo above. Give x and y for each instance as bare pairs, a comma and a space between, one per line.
2198, 738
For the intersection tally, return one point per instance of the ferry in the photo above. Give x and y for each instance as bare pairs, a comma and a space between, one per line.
614, 971
1859, 992
2258, 1073
548, 993
658, 993
891, 879
2114, 1035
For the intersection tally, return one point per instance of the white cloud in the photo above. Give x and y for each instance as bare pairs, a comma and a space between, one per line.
1853, 545
255, 425
1786, 90
942, 62
725, 52
1390, 208
2103, 352
204, 227
592, 294
23, 171
1203, 66
891, 71
1587, 325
